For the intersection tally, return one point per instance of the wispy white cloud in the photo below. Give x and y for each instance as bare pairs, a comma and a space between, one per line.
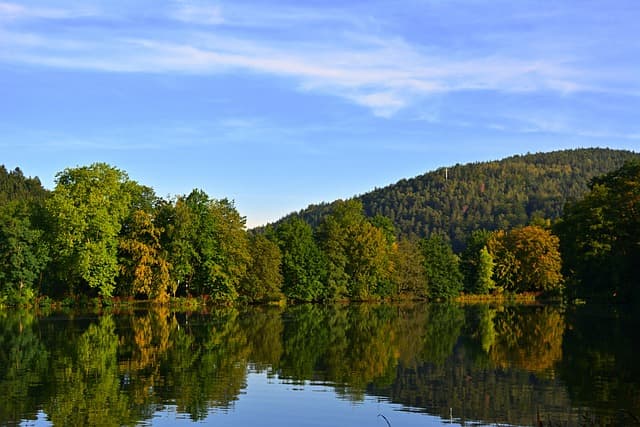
14, 11
384, 83
383, 104
10, 10
269, 16
197, 14
564, 126
382, 73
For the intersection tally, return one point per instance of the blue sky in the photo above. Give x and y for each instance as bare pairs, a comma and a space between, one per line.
278, 104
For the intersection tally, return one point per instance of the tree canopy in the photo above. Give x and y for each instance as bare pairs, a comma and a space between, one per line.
101, 234
600, 236
87, 208
527, 259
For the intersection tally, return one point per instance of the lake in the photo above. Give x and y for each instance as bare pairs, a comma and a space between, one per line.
313, 365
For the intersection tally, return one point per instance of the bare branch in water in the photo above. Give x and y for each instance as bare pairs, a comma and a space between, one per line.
385, 418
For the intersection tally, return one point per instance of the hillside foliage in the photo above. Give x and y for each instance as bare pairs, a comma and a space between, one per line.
494, 195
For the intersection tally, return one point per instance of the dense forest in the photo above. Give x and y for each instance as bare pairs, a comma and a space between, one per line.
503, 194
99, 234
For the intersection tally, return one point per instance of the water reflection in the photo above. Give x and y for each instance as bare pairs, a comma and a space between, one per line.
491, 364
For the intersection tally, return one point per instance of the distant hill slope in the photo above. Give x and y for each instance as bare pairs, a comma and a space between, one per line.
15, 186
491, 195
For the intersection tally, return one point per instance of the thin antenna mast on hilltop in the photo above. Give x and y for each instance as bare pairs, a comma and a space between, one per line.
446, 174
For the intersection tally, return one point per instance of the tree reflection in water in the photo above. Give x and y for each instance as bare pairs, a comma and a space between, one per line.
497, 364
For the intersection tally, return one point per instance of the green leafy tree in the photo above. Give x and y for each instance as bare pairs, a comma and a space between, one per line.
409, 275
223, 249
263, 279
470, 259
303, 263
333, 235
208, 245
369, 266
386, 226
177, 222
600, 236
87, 208
484, 281
443, 272
358, 253
23, 254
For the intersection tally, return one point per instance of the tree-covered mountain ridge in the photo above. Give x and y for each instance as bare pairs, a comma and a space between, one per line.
491, 195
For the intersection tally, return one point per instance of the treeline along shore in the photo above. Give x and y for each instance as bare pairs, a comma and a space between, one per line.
100, 235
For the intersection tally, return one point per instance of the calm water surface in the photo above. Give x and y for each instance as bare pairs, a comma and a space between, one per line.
354, 365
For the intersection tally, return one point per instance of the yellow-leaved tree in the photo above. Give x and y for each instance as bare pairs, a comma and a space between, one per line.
143, 268
527, 259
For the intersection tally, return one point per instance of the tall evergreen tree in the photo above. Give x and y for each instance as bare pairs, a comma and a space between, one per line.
470, 262
484, 279
442, 266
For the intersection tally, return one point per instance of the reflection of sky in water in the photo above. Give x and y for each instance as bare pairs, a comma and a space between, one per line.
40, 421
275, 402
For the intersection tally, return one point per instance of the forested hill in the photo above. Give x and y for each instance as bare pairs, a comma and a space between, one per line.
15, 186
491, 195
